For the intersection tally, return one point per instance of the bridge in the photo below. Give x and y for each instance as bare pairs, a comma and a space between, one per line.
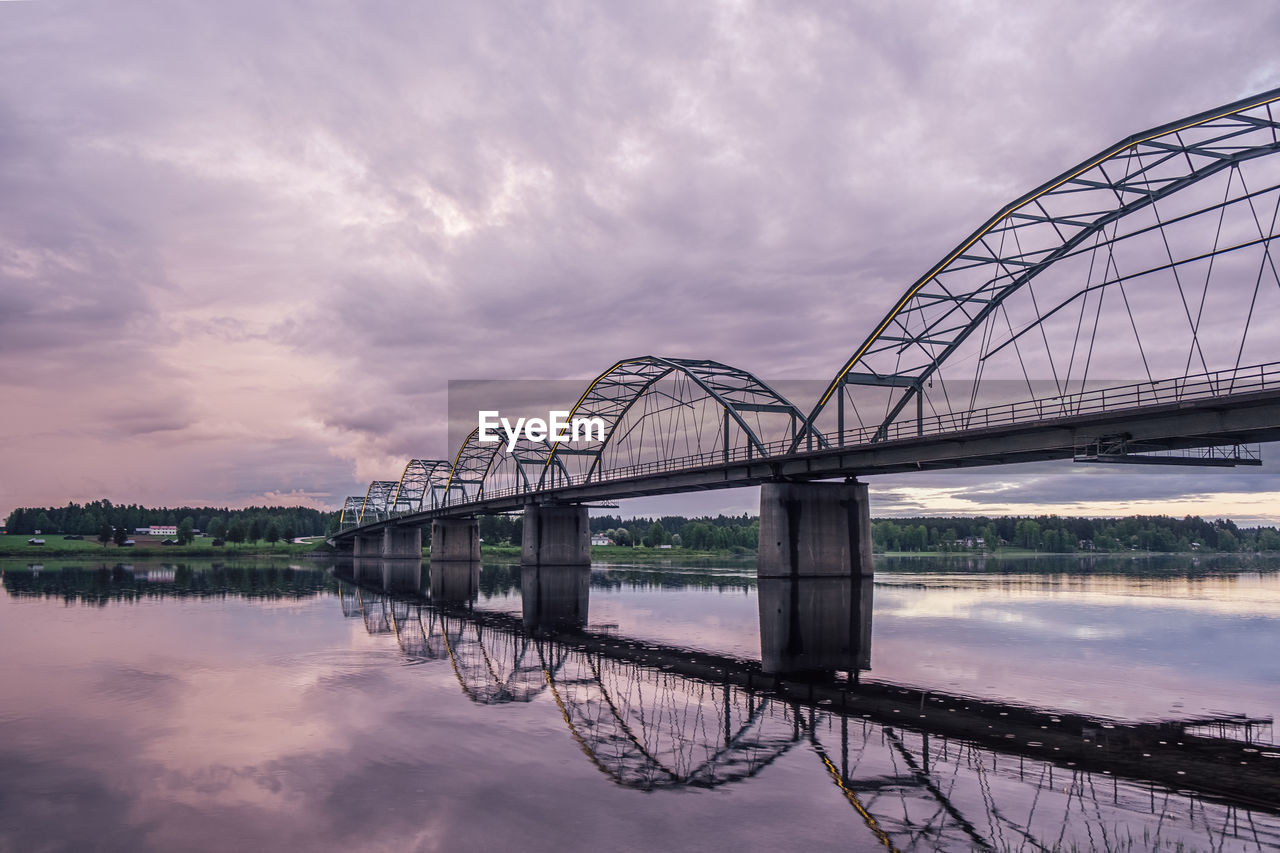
1116, 313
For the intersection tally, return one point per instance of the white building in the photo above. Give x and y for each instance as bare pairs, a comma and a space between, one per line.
163, 530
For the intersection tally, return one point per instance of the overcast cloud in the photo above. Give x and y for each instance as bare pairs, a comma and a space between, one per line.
244, 247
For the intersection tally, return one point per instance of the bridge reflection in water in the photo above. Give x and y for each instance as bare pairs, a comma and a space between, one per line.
921, 770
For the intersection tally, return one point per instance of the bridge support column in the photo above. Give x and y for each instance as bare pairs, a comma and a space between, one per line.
402, 542
455, 540
556, 536
814, 530
367, 545
815, 577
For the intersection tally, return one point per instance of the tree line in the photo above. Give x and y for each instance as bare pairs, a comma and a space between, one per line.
1066, 534
1050, 533
1044, 533
251, 524
721, 533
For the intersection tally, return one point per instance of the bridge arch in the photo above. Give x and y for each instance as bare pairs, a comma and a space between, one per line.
487, 469
377, 501
520, 470
350, 512
421, 486
1172, 225
659, 410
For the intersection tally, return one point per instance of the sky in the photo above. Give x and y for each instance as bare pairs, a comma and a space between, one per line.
244, 248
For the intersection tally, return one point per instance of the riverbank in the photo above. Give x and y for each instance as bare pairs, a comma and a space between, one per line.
55, 546
619, 554
1028, 554
623, 554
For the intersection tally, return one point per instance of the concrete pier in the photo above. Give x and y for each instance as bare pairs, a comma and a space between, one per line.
555, 598
815, 625
402, 543
455, 540
367, 545
814, 530
556, 536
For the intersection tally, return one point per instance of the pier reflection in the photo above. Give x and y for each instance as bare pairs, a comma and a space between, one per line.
921, 770
815, 624
455, 582
555, 598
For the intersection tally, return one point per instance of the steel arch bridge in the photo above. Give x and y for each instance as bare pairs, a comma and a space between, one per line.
1119, 308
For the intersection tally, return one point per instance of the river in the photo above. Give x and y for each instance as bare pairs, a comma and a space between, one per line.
1048, 704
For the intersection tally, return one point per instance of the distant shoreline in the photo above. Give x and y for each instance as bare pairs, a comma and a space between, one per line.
55, 547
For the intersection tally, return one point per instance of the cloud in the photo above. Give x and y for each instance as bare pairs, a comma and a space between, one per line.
278, 233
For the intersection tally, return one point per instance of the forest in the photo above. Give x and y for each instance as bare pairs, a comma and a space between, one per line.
734, 534
1045, 533
250, 524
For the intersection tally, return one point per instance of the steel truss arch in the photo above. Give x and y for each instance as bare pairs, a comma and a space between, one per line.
485, 469
470, 465
421, 486
376, 501
964, 292
613, 395
350, 512
520, 470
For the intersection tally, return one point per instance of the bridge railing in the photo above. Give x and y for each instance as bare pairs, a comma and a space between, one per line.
1112, 399
1095, 401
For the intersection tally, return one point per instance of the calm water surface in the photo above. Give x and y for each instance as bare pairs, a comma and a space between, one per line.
1046, 705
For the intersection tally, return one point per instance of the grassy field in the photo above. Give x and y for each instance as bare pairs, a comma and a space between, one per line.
55, 545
